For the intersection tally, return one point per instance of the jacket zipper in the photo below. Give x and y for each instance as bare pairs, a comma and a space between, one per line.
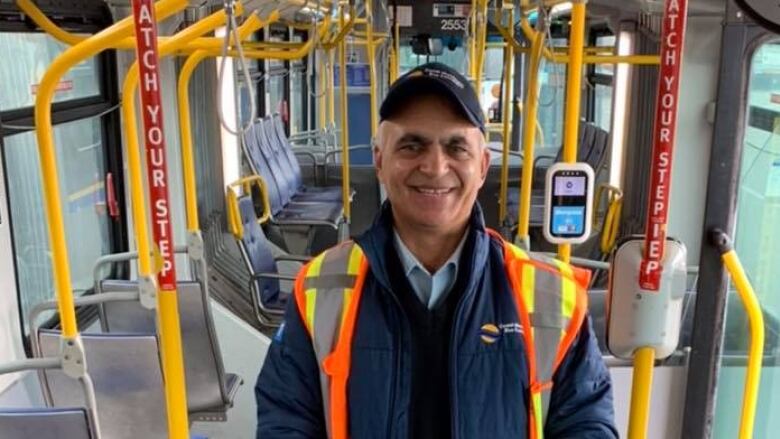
454, 366
398, 364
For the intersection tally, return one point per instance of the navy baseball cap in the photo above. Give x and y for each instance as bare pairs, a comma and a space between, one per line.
437, 79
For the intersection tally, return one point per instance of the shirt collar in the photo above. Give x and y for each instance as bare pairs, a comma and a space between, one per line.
410, 262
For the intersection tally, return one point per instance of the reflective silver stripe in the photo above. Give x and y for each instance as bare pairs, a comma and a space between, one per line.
330, 285
548, 322
539, 320
330, 281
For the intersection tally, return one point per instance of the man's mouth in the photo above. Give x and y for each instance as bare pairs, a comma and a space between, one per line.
433, 190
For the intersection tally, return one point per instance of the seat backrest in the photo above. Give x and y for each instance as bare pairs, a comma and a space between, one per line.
257, 253
275, 167
203, 368
599, 149
285, 169
586, 133
284, 143
127, 378
261, 167
585, 146
45, 423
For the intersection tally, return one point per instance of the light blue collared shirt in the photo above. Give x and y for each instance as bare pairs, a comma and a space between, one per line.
431, 289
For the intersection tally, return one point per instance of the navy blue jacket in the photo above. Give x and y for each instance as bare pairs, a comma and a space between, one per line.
489, 382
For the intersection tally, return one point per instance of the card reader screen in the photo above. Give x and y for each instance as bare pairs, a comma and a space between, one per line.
569, 186
568, 220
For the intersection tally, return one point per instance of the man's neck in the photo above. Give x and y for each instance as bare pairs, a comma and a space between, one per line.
431, 248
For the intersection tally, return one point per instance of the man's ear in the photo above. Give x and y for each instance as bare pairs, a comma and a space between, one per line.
485, 165
377, 152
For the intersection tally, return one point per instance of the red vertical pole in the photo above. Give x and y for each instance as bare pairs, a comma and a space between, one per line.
154, 139
664, 130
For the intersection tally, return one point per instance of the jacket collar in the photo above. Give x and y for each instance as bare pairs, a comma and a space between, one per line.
379, 236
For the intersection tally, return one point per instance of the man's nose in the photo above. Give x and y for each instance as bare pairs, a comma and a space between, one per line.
435, 163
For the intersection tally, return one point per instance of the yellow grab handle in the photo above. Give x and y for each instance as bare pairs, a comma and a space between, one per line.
756, 322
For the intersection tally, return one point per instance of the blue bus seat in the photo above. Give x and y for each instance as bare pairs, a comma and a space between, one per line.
267, 163
267, 296
303, 193
127, 378
45, 423
72, 422
210, 391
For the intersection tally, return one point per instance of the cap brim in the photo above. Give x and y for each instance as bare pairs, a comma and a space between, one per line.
404, 92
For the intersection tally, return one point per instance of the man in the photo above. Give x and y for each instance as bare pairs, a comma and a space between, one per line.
428, 325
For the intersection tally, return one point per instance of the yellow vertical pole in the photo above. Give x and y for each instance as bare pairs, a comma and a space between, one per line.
481, 44
395, 70
506, 119
473, 40
185, 130
172, 354
371, 52
573, 91
331, 87
641, 386
529, 133
322, 100
251, 24
43, 131
344, 122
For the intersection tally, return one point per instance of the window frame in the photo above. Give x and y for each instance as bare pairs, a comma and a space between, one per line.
596, 78
89, 17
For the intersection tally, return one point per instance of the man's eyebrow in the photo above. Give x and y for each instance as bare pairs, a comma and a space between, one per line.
454, 139
414, 138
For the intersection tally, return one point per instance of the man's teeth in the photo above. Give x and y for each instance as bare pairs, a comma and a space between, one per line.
431, 191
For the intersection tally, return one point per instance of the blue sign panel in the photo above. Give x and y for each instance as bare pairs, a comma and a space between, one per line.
357, 75
568, 220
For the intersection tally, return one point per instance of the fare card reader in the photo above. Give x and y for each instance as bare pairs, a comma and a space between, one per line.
567, 203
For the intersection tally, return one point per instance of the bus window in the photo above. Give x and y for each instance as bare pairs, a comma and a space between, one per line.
601, 81
552, 95
757, 241
457, 58
276, 75
298, 92
81, 171
82, 166
32, 53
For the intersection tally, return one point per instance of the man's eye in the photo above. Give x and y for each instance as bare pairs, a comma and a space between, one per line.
458, 149
410, 147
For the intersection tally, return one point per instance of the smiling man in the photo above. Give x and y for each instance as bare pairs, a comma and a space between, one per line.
429, 325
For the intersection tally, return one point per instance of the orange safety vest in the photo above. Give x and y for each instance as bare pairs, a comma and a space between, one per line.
550, 297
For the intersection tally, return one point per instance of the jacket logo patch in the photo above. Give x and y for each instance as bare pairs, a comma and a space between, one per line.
490, 333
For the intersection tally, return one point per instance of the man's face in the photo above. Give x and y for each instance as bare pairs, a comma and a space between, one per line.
432, 162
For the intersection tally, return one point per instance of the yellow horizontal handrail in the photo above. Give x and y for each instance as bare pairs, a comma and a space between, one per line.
43, 127
39, 18
255, 50
345, 28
